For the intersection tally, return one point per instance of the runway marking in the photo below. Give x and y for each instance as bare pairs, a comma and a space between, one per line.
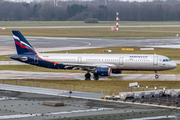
151, 118
8, 98
110, 79
88, 43
53, 113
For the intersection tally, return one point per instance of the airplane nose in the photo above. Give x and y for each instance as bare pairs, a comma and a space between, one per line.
173, 65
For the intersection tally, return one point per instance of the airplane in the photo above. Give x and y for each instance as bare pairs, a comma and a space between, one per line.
98, 64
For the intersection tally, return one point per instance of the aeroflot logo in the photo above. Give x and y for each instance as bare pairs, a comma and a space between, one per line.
138, 56
23, 43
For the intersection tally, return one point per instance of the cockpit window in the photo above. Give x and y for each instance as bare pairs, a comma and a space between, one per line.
166, 60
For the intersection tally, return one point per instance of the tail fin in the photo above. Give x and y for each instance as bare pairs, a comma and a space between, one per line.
22, 45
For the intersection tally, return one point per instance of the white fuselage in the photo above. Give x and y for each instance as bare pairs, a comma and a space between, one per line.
115, 61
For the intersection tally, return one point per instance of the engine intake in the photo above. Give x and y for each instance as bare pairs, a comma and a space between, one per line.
103, 71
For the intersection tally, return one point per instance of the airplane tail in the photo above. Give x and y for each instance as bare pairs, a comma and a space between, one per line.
22, 45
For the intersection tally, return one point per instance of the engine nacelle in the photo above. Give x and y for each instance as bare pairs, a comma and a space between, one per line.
117, 71
103, 71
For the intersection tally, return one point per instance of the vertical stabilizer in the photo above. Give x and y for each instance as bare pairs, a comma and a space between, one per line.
22, 45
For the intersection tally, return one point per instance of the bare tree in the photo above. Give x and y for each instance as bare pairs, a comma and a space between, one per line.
128, 11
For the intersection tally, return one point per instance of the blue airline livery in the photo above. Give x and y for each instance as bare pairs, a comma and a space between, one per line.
98, 64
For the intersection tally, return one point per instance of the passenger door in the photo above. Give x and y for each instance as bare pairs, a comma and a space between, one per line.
121, 61
79, 60
155, 60
35, 59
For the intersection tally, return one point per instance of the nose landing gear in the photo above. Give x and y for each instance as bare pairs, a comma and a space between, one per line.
156, 76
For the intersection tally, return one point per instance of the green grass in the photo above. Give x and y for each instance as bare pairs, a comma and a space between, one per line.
115, 86
5, 58
81, 23
97, 32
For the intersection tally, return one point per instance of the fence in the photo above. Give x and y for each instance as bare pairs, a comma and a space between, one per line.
136, 89
74, 87
61, 86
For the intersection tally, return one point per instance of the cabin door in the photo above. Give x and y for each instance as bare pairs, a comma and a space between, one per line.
79, 61
155, 60
121, 59
35, 59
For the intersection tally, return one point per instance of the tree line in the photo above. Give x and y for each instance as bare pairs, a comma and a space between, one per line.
128, 11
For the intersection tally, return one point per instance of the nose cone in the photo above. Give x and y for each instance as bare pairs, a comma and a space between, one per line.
173, 65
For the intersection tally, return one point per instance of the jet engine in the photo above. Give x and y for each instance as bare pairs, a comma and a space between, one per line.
103, 71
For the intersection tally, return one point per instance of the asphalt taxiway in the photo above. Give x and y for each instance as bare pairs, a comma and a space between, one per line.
42, 44
57, 42
12, 74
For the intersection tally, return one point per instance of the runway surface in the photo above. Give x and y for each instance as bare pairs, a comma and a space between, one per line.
42, 44
148, 77
11, 74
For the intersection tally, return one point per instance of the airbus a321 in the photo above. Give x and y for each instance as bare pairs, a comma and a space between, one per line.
98, 64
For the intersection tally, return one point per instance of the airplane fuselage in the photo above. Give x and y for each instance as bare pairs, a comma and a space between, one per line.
143, 62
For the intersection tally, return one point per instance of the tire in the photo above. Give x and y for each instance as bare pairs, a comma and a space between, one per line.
96, 76
87, 75
156, 76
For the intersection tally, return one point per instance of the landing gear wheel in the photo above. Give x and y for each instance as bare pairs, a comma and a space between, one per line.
156, 76
88, 76
96, 76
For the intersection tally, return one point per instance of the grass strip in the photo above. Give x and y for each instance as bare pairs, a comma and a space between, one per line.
97, 32
98, 86
81, 23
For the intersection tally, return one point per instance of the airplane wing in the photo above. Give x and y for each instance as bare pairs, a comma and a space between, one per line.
86, 66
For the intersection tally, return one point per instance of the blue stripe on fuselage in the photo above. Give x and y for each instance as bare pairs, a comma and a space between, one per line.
40, 62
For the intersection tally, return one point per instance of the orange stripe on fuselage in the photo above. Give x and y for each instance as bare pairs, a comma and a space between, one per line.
55, 63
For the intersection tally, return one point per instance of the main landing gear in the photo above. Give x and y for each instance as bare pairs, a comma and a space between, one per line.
96, 76
156, 76
87, 76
